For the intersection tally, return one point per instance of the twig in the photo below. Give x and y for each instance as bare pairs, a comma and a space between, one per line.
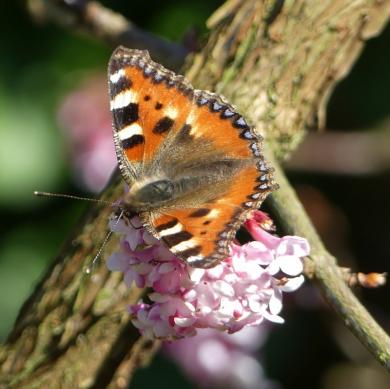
336, 152
102, 23
365, 280
289, 213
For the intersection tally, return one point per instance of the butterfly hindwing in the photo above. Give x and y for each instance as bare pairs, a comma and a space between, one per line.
201, 236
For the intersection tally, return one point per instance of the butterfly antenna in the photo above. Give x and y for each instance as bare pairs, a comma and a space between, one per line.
90, 268
66, 196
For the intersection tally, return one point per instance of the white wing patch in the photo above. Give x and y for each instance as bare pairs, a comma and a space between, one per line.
129, 131
123, 99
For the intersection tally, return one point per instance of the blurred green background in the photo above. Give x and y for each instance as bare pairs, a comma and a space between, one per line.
41, 64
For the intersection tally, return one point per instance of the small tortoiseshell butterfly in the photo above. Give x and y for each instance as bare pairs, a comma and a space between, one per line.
194, 167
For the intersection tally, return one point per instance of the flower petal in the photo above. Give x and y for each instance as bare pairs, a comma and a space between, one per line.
275, 303
117, 262
293, 245
184, 321
290, 265
293, 284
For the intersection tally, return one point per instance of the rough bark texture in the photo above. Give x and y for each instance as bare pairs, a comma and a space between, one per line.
278, 62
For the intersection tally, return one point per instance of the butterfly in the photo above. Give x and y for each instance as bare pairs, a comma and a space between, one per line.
194, 167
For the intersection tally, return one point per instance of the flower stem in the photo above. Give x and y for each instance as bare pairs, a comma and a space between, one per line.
289, 213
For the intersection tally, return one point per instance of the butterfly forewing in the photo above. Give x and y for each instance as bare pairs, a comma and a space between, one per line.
163, 126
144, 107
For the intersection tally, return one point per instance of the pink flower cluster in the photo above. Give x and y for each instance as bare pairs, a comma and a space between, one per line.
241, 291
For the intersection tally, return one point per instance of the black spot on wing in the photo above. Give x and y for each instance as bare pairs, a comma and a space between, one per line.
125, 116
116, 63
166, 225
121, 85
184, 134
200, 212
174, 239
133, 141
158, 106
190, 252
163, 125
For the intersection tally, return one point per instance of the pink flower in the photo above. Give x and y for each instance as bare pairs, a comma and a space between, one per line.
84, 116
151, 266
243, 290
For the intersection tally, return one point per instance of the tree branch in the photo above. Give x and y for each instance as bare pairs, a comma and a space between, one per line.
102, 23
327, 274
328, 152
278, 62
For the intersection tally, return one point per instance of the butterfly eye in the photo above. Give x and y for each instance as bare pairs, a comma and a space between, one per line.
163, 188
155, 192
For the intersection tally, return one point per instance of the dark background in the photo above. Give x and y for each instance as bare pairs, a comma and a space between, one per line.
40, 64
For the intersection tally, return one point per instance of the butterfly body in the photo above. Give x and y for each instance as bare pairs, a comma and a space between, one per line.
193, 165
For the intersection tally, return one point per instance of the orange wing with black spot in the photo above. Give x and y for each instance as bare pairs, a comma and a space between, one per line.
201, 236
145, 106
162, 124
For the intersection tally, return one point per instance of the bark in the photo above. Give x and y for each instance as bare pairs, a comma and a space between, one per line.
92, 18
278, 62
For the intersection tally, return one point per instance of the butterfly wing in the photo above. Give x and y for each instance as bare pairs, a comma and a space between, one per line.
201, 234
161, 122
144, 105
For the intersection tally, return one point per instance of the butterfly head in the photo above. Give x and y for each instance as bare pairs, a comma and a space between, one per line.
149, 194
